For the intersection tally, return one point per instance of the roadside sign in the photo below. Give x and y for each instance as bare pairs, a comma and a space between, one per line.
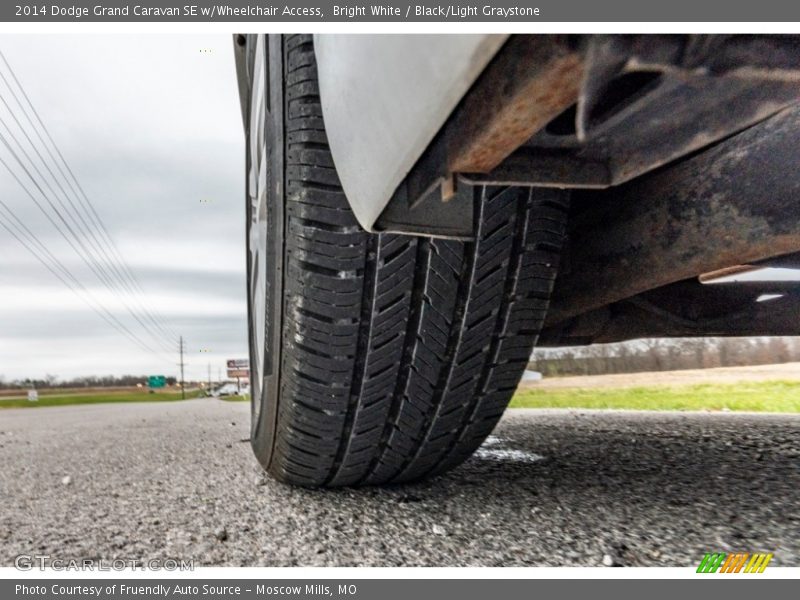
33, 396
156, 381
238, 367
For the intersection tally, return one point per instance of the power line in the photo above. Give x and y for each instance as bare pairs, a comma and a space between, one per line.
86, 201
85, 228
72, 282
51, 262
104, 242
86, 231
101, 275
89, 258
78, 223
99, 309
98, 269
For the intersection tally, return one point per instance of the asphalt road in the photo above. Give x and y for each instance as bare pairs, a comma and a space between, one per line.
139, 481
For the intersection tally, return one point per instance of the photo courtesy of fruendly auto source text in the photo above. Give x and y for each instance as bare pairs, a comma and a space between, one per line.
377, 301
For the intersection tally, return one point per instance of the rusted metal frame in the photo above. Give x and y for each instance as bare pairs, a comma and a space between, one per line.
529, 82
532, 80
712, 87
736, 203
703, 89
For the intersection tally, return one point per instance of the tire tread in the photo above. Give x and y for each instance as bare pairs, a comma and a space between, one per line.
400, 353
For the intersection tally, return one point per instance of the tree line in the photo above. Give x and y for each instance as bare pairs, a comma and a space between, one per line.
53, 381
599, 359
665, 355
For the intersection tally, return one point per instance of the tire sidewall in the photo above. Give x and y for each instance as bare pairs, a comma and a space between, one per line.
265, 395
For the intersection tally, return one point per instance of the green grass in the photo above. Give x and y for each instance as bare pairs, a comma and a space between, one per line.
767, 396
99, 398
764, 396
234, 398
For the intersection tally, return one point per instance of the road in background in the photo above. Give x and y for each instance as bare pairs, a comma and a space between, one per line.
549, 488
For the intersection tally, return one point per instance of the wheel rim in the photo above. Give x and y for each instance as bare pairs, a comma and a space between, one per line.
257, 233
258, 294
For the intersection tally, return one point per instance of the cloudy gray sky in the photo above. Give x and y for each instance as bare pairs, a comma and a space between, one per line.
151, 128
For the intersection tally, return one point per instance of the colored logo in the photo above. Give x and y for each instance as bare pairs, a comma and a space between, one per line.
735, 562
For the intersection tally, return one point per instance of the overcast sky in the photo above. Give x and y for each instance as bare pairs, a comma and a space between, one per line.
151, 127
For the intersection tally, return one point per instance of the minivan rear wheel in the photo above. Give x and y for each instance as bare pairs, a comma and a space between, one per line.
378, 357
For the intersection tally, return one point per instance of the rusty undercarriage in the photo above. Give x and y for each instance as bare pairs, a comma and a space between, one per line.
681, 155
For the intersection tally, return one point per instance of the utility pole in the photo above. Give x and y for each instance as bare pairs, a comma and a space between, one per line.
183, 383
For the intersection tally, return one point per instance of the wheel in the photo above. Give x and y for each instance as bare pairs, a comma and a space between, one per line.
377, 357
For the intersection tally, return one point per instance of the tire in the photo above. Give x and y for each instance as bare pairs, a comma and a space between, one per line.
387, 358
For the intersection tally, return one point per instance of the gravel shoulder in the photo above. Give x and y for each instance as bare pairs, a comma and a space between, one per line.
549, 488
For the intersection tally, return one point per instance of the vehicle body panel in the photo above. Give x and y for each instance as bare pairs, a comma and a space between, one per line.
385, 97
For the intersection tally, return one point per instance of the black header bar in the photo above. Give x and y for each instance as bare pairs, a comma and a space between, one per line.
318, 11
